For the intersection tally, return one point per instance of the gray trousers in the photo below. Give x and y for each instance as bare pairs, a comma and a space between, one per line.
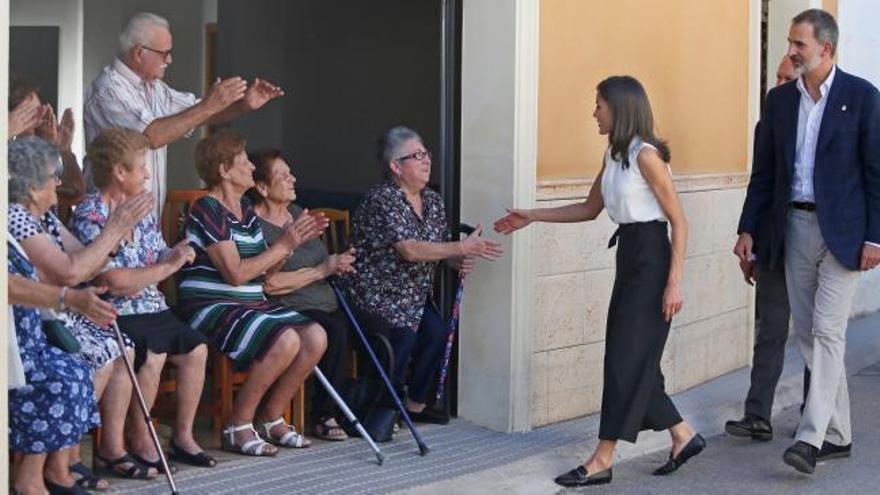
771, 331
820, 292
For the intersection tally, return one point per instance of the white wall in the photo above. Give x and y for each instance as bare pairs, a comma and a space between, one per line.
858, 54
779, 20
68, 16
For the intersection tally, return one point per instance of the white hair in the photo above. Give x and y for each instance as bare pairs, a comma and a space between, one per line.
138, 30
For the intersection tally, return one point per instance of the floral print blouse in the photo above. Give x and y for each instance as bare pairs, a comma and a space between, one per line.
386, 285
145, 249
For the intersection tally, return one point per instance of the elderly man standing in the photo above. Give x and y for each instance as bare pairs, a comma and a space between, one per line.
771, 325
130, 93
814, 197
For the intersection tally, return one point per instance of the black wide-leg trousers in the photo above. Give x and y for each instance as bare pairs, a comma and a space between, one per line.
633, 396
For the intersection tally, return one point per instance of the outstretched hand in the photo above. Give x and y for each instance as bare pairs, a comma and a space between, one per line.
306, 227
513, 221
225, 92
480, 247
261, 92
25, 117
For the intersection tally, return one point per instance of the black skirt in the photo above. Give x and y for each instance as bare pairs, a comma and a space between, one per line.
633, 396
162, 333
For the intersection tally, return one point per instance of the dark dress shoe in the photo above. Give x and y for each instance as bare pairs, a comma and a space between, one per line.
831, 451
579, 477
429, 416
750, 426
801, 456
694, 447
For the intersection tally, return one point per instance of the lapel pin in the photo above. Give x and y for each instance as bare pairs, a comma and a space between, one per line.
843, 108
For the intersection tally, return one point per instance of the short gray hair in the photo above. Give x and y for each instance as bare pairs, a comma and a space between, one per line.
32, 162
138, 28
394, 139
824, 26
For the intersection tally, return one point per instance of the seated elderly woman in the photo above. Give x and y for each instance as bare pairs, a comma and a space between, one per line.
221, 295
119, 170
60, 259
301, 283
55, 406
400, 234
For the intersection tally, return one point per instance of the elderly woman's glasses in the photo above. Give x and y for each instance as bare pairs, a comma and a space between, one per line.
418, 155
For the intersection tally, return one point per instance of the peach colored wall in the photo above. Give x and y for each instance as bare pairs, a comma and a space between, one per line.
691, 55
830, 6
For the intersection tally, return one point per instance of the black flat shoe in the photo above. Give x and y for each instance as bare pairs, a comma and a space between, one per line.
429, 416
202, 459
750, 426
801, 456
832, 451
694, 447
579, 477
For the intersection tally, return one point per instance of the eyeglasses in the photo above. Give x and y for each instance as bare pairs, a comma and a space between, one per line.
165, 54
418, 155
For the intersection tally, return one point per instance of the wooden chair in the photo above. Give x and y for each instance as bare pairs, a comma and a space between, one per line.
339, 232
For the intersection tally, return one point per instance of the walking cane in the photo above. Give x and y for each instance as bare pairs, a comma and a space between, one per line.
349, 414
423, 449
144, 409
453, 323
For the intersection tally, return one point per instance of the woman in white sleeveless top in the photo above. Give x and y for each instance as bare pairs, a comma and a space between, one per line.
635, 187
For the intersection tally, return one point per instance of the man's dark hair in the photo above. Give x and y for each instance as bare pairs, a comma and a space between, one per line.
824, 26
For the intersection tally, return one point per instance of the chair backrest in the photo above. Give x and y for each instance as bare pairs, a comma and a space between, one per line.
339, 232
177, 204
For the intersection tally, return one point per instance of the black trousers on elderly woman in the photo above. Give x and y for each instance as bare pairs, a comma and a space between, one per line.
633, 396
418, 353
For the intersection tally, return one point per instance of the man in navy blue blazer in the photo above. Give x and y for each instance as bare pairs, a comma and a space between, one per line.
813, 202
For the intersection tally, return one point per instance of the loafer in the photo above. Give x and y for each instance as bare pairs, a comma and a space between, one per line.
580, 477
694, 447
750, 426
832, 451
429, 416
801, 456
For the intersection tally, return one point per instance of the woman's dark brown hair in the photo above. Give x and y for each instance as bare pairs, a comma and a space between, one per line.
632, 117
262, 160
214, 150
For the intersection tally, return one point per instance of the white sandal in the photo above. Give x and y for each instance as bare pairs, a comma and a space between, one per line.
254, 447
290, 439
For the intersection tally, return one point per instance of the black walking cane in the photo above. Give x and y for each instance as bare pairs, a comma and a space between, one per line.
423, 449
144, 408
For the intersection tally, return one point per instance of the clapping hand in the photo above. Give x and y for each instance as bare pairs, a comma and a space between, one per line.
513, 221
26, 116
131, 211
225, 92
305, 228
475, 246
260, 93
181, 254
339, 264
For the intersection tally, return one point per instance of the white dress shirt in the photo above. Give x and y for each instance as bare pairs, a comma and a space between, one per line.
120, 98
809, 121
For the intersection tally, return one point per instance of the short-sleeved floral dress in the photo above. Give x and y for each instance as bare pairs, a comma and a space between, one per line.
98, 345
57, 405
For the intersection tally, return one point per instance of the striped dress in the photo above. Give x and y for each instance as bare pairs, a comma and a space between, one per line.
237, 319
